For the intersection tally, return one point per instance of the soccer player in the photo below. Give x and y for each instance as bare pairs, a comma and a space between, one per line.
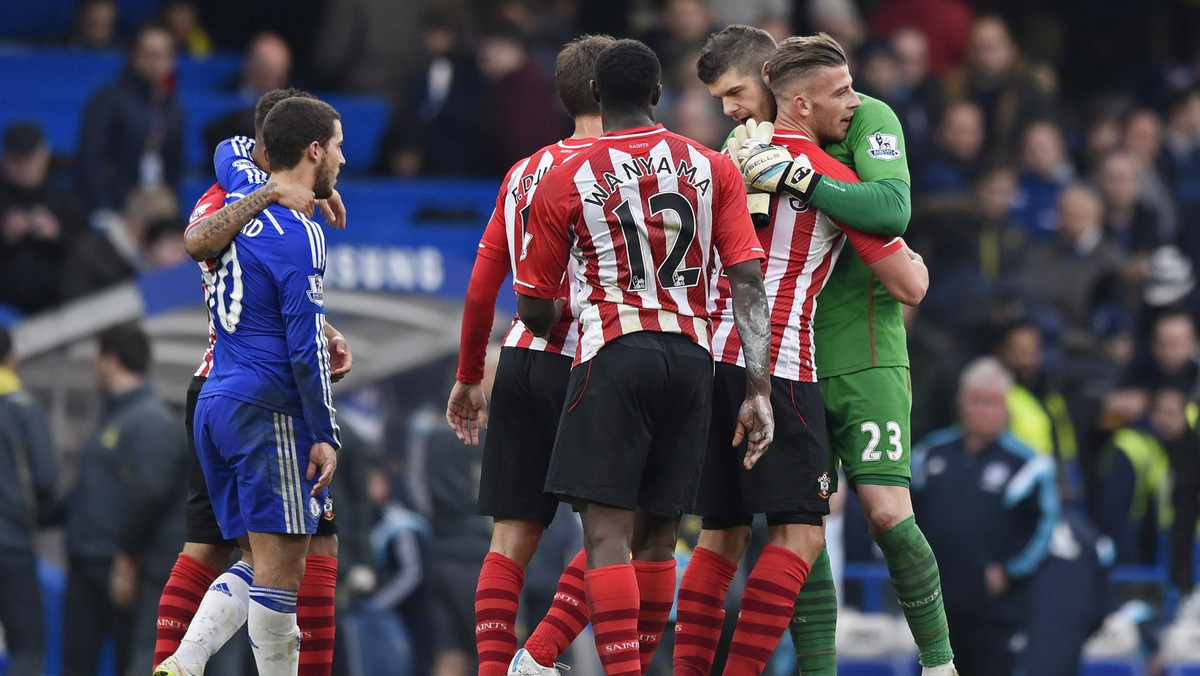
640, 212
792, 484
195, 574
529, 389
266, 412
861, 356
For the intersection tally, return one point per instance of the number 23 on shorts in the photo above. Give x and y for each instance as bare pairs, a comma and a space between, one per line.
895, 445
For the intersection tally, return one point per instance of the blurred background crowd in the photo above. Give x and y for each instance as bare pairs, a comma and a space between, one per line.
1055, 154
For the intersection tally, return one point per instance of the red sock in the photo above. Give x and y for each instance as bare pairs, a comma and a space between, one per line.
766, 609
656, 588
612, 598
701, 612
566, 618
496, 598
315, 615
180, 598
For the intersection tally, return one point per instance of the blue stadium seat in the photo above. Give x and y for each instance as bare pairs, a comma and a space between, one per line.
894, 666
1131, 666
1182, 670
214, 74
365, 119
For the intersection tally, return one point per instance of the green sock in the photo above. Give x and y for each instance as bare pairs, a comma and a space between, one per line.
918, 588
814, 621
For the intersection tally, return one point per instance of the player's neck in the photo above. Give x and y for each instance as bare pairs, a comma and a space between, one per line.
302, 174
588, 126
618, 120
786, 122
259, 155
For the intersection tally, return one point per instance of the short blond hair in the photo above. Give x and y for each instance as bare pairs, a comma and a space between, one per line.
797, 57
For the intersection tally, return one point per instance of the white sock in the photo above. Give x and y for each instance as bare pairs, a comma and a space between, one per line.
274, 634
221, 613
946, 669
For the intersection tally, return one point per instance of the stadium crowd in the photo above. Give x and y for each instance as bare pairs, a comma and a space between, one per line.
1056, 202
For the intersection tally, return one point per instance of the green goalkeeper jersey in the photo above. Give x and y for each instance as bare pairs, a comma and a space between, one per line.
858, 324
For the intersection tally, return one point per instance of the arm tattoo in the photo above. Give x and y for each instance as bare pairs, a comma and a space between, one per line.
215, 233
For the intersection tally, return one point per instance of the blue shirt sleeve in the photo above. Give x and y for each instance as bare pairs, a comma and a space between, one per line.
1033, 488
298, 266
236, 171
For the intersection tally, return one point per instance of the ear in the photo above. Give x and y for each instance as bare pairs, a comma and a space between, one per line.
764, 73
595, 90
657, 93
314, 153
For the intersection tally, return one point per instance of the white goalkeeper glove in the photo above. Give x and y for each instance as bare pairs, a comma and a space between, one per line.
771, 168
757, 202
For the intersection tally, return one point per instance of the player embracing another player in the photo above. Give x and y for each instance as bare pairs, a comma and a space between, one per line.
861, 356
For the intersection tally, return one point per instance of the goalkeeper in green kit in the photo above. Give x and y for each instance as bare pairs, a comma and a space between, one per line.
861, 352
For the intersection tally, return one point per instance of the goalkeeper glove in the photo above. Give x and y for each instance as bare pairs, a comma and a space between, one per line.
758, 203
772, 168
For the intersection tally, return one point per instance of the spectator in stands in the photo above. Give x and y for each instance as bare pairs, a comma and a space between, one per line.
841, 19
946, 25
441, 105
751, 13
881, 76
1038, 413
125, 518
686, 24
368, 46
267, 65
1170, 364
926, 98
523, 109
1183, 149
118, 248
988, 505
1101, 138
1169, 419
182, 17
1045, 169
1128, 220
995, 78
1132, 476
1142, 136
956, 154
95, 25
164, 244
132, 132
1075, 276
27, 456
38, 222
974, 251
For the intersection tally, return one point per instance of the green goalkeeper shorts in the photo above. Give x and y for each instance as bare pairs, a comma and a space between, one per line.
867, 415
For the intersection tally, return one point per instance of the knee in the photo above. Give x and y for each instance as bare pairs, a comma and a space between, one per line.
516, 539
657, 542
805, 540
324, 545
213, 556
884, 517
730, 543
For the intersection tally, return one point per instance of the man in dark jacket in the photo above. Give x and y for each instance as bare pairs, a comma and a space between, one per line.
133, 129
125, 521
27, 458
988, 505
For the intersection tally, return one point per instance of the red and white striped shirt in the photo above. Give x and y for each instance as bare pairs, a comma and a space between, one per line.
502, 243
209, 203
802, 246
640, 212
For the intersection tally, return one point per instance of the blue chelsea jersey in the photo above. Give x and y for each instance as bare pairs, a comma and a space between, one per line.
268, 307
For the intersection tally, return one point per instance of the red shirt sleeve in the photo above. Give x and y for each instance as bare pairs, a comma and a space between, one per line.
209, 203
491, 267
733, 232
494, 242
543, 261
872, 248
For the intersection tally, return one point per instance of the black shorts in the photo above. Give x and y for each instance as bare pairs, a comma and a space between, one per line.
790, 483
201, 521
632, 434
527, 401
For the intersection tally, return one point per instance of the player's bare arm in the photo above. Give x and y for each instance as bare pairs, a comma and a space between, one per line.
904, 275
341, 360
334, 211
756, 422
539, 314
208, 238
